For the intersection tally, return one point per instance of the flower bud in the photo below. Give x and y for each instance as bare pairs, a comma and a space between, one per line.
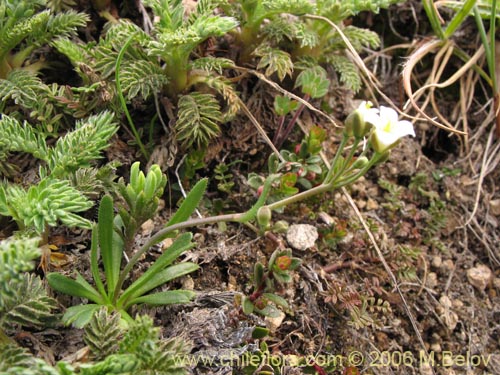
283, 262
280, 226
359, 122
261, 303
264, 215
360, 162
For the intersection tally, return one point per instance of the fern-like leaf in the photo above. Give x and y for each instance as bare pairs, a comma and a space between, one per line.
349, 73
358, 37
23, 87
278, 30
92, 182
306, 36
155, 355
296, 7
102, 333
353, 7
106, 53
63, 25
73, 51
210, 64
275, 61
82, 146
224, 88
21, 30
198, 118
60, 5
169, 357
30, 306
142, 78
16, 257
15, 136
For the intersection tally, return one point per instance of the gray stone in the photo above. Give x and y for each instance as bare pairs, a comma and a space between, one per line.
301, 236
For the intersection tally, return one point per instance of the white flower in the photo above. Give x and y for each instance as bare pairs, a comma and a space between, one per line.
359, 122
388, 130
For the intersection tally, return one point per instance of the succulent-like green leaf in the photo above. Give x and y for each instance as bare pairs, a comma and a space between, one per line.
270, 311
258, 273
247, 306
94, 261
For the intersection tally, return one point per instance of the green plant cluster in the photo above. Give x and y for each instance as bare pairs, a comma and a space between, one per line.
54, 198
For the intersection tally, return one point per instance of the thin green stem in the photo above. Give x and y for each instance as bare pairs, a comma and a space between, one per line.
459, 17
122, 98
330, 174
323, 188
347, 160
350, 179
433, 16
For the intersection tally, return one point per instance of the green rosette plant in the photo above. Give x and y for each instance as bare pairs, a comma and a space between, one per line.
113, 238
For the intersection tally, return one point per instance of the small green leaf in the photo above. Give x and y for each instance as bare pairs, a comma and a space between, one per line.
80, 315
283, 105
260, 332
282, 277
280, 301
77, 288
313, 82
247, 305
190, 203
258, 273
168, 297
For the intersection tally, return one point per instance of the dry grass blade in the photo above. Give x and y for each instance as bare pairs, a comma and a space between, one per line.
417, 56
358, 60
278, 88
490, 158
260, 129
